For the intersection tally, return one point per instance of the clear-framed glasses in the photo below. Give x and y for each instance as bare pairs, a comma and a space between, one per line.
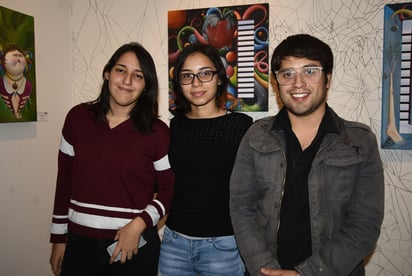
308, 74
202, 76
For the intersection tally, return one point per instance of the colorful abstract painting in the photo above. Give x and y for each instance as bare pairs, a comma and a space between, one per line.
240, 33
18, 81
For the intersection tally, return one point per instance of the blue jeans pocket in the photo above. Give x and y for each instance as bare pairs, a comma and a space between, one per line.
167, 235
225, 243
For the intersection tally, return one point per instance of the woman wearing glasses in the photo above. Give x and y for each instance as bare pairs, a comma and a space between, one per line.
198, 237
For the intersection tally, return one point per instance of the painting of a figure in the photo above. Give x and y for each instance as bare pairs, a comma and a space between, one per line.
240, 33
17, 74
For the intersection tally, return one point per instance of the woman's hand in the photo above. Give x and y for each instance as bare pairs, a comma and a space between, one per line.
56, 257
128, 238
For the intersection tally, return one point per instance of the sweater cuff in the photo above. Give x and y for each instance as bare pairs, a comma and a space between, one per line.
147, 219
58, 238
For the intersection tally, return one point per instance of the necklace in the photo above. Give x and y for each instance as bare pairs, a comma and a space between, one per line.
10, 90
14, 85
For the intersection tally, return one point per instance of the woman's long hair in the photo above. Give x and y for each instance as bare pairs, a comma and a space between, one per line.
145, 111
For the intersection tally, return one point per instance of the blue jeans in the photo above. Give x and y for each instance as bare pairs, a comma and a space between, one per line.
181, 256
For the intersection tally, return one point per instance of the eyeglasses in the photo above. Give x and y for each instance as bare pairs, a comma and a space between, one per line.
309, 74
202, 76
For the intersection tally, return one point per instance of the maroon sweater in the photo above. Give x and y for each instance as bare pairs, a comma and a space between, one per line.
106, 177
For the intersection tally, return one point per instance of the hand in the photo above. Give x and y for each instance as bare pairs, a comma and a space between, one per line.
56, 257
278, 272
128, 238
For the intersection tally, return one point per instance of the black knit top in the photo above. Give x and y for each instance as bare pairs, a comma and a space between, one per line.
202, 153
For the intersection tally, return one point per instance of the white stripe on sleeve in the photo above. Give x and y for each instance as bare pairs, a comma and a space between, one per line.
65, 147
154, 214
59, 228
161, 206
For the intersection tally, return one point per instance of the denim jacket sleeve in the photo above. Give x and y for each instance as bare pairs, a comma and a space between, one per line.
346, 222
252, 200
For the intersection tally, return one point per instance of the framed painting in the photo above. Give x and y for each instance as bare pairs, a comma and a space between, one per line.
240, 33
396, 132
18, 80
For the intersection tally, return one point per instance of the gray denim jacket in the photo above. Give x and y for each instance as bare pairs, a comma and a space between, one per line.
346, 197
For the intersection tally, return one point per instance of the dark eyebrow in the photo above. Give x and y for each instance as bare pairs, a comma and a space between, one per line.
312, 65
304, 66
200, 69
124, 66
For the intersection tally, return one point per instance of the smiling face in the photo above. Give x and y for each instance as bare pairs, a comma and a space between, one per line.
199, 94
14, 63
300, 98
126, 82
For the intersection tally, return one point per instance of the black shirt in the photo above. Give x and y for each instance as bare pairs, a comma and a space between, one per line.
202, 153
294, 235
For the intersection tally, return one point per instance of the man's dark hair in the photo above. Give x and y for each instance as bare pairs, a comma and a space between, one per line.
303, 46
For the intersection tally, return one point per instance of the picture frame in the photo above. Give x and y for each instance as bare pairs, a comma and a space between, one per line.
241, 35
396, 132
17, 67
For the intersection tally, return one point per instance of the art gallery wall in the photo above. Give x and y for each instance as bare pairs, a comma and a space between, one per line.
74, 39
353, 29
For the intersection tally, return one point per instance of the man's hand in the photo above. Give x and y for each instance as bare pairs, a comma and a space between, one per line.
56, 257
278, 272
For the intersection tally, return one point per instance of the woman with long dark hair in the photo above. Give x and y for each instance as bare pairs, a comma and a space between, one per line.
114, 180
198, 238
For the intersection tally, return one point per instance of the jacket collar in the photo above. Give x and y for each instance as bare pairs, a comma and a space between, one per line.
327, 125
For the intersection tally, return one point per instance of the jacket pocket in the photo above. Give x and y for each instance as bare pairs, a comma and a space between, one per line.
340, 173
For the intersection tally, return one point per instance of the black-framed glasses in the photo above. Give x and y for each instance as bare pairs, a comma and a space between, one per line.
308, 74
202, 76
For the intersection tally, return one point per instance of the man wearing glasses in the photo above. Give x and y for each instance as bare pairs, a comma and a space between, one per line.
307, 187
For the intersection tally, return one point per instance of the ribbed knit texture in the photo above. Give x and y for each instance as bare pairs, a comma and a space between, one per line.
202, 154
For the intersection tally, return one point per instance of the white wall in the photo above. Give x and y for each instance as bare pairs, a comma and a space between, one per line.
28, 151
74, 39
